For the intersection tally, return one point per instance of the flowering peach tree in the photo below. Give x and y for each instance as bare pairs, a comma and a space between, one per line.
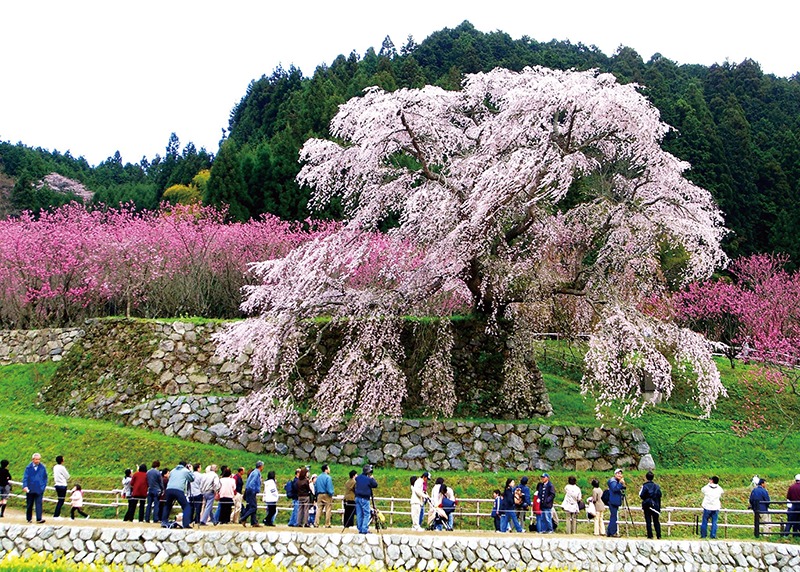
525, 194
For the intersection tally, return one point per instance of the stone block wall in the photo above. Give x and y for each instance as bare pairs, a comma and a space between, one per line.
137, 547
407, 444
35, 346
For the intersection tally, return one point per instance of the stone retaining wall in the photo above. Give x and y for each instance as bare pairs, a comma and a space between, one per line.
407, 444
35, 346
164, 376
135, 548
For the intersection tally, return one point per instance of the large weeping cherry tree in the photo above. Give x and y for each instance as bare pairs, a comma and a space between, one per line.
541, 197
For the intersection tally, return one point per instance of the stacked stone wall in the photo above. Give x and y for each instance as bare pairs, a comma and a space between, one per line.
165, 376
407, 444
36, 346
135, 548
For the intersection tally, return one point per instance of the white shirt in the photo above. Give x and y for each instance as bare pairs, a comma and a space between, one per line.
711, 496
60, 475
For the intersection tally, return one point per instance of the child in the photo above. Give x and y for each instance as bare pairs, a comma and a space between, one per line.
76, 499
497, 496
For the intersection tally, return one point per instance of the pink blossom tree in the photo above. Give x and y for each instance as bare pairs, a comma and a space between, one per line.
756, 316
525, 192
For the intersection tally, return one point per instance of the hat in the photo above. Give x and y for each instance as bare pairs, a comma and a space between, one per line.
797, 477
259, 464
367, 469
426, 474
523, 481
617, 471
761, 481
544, 475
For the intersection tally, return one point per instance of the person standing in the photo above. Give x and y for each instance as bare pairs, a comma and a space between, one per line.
793, 518
712, 494
290, 488
572, 496
524, 498
227, 490
177, 485
616, 490
5, 486
599, 508
759, 502
34, 483
239, 496
196, 493
497, 498
508, 512
303, 497
138, 494
252, 489
155, 486
365, 483
349, 501
651, 505
418, 497
209, 491
60, 478
271, 498
324, 490
547, 495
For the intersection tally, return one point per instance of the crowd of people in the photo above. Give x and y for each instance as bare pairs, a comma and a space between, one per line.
226, 495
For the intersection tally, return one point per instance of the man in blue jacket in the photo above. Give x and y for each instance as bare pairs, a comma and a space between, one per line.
251, 489
616, 490
324, 489
34, 483
364, 485
759, 502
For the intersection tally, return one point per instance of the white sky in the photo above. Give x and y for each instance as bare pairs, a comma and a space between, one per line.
96, 76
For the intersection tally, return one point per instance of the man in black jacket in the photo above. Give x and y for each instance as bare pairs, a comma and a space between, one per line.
547, 494
651, 505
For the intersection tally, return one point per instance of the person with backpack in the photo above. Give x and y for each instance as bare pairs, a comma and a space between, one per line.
547, 495
651, 505
599, 508
290, 488
522, 499
616, 491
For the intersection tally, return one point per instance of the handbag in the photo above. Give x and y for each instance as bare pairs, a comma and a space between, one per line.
591, 512
581, 504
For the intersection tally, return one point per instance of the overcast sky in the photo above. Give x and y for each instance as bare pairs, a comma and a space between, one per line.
93, 77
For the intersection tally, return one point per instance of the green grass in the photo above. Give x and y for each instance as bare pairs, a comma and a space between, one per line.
687, 449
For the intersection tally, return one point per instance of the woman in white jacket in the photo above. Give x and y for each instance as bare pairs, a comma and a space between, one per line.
570, 505
271, 498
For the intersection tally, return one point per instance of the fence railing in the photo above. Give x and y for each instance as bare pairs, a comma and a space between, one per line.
476, 512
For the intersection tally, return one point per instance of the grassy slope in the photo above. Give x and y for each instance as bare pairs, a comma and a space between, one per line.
98, 451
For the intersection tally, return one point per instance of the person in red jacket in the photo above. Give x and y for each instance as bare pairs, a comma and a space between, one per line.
138, 494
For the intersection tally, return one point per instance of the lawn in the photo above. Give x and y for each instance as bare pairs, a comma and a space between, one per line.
687, 449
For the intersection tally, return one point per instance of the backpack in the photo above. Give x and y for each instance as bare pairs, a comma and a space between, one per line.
289, 489
606, 497
519, 497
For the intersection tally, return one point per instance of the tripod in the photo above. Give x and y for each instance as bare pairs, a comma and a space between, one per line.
379, 524
630, 516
